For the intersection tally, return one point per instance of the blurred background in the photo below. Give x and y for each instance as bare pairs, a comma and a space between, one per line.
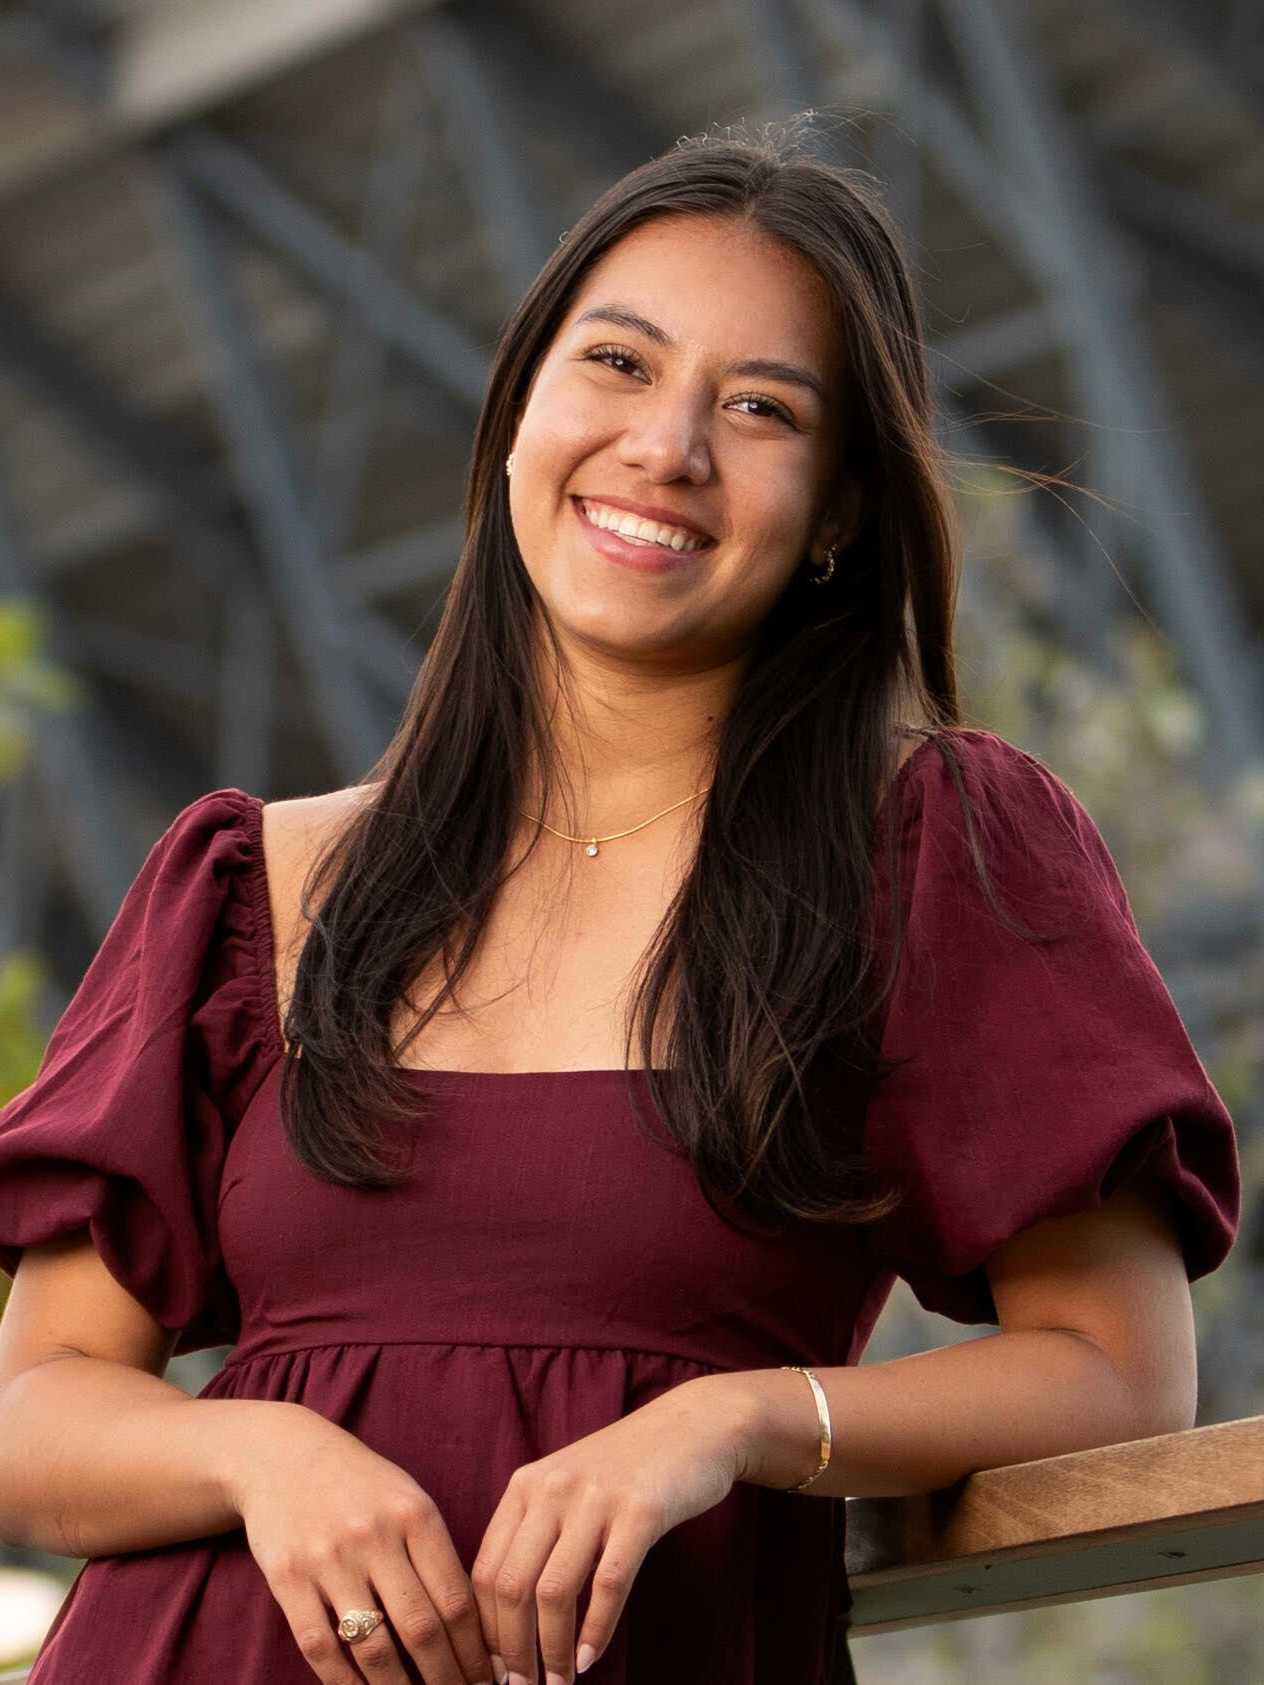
254, 256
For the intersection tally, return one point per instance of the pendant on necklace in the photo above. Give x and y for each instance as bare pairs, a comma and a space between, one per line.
592, 848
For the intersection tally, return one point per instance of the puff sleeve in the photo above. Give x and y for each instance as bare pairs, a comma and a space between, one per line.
1030, 1077
125, 1128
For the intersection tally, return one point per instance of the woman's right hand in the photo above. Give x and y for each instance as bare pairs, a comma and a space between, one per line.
335, 1527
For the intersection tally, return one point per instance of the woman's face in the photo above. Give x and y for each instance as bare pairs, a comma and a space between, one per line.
674, 451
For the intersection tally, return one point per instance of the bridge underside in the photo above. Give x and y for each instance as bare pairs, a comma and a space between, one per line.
253, 254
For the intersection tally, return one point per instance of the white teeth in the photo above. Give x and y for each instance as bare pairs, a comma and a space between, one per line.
640, 531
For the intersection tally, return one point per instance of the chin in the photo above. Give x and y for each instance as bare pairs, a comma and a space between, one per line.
624, 633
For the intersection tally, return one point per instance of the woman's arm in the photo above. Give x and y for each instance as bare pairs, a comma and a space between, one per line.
1096, 1346
99, 1455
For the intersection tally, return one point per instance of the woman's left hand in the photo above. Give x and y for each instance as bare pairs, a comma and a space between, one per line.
596, 1507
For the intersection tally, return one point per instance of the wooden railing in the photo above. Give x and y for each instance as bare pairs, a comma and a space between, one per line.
1135, 1517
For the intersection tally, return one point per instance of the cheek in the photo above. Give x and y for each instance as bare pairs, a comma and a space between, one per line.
557, 431
774, 514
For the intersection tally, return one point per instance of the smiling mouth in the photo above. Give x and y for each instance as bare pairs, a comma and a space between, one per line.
654, 535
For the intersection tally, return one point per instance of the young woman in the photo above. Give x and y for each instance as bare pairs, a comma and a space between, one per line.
545, 1120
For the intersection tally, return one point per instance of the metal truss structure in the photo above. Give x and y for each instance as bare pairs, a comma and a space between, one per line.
254, 254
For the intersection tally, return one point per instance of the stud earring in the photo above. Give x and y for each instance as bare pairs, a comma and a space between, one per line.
509, 461
822, 576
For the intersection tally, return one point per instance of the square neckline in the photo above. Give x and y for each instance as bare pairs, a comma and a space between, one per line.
270, 977
269, 980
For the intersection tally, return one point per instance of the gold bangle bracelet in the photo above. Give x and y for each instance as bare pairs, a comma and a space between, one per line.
823, 1417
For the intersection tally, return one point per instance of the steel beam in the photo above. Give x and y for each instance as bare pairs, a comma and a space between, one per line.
995, 346
174, 60
169, 62
1176, 213
1183, 33
386, 657
1138, 465
414, 560
896, 161
263, 466
1186, 573
1229, 315
1242, 36
345, 437
128, 656
246, 693
605, 133
59, 44
935, 122
775, 45
233, 179
70, 766
97, 11
189, 501
484, 151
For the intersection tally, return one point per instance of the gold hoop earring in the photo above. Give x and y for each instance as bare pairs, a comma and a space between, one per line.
822, 576
509, 461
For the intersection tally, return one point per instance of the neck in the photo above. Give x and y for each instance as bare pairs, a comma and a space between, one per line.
628, 741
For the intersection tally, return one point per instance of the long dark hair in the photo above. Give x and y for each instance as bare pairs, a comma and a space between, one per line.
765, 970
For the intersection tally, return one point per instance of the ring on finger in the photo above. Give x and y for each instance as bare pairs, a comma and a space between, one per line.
357, 1624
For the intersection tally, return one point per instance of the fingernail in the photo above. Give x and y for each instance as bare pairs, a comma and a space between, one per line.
585, 1656
500, 1670
518, 1679
554, 1679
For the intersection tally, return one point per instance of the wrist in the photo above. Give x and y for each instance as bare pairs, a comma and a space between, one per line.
255, 1436
733, 1409
771, 1423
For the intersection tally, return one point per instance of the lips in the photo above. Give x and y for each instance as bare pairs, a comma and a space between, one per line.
645, 555
644, 524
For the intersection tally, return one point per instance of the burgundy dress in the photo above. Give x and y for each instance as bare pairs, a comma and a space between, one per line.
549, 1265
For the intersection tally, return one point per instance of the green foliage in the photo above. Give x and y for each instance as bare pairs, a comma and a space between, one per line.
28, 682
21, 1045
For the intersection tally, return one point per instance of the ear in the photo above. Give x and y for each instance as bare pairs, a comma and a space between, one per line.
840, 524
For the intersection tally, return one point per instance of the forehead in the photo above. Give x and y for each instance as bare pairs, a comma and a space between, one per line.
720, 285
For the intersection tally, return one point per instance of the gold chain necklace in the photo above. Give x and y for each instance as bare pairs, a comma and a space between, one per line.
591, 844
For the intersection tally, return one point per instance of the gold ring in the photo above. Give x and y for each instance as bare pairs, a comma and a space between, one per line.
359, 1623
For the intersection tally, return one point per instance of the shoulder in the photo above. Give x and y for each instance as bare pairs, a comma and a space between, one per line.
309, 823
982, 757
203, 857
216, 822
295, 835
965, 776
976, 809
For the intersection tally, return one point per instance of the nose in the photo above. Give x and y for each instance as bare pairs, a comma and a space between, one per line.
667, 437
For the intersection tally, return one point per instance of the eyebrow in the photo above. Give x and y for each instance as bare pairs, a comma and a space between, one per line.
759, 368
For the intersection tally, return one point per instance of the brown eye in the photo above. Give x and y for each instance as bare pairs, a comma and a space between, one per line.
761, 407
616, 357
